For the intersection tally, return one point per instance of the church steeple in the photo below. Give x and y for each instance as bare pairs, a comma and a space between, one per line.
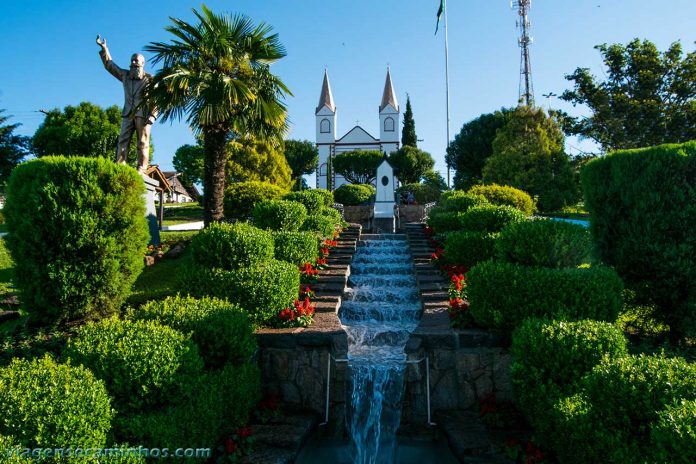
388, 96
326, 98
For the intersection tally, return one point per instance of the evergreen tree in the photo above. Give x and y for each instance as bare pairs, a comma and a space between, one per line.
13, 149
408, 134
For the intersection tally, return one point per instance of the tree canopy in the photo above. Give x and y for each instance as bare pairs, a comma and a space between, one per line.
256, 160
647, 98
13, 149
302, 156
189, 160
358, 166
410, 164
408, 133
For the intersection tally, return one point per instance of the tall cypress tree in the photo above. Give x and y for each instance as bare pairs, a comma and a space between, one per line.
408, 134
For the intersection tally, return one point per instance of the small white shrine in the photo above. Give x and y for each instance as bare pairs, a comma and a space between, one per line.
384, 219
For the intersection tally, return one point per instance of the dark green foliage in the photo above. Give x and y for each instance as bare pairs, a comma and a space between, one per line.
444, 221
44, 403
241, 197
422, 193
502, 295
410, 164
435, 180
13, 149
354, 194
469, 248
77, 233
408, 133
459, 201
473, 145
188, 160
545, 243
490, 218
643, 209
504, 195
231, 246
673, 436
12, 451
621, 401
262, 290
326, 195
142, 363
302, 156
296, 247
212, 408
221, 330
648, 98
331, 213
279, 215
322, 225
551, 357
309, 198
359, 166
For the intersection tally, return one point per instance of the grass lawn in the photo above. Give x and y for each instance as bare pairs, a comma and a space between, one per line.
189, 212
161, 280
6, 266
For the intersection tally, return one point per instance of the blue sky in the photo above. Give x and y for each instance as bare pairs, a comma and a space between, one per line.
49, 57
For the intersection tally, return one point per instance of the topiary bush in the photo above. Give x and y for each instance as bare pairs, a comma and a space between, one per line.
469, 248
311, 200
221, 330
642, 205
354, 194
296, 247
231, 246
262, 290
504, 195
241, 197
44, 403
673, 436
320, 225
279, 215
422, 193
326, 195
545, 243
550, 359
502, 295
444, 221
331, 213
489, 218
77, 233
461, 202
142, 363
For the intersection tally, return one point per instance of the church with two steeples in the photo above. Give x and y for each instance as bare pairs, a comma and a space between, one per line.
356, 138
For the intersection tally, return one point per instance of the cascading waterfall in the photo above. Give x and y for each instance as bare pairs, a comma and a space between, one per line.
378, 313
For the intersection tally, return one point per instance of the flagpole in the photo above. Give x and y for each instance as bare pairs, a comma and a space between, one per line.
447, 93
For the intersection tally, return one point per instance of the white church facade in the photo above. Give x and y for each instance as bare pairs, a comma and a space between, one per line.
356, 138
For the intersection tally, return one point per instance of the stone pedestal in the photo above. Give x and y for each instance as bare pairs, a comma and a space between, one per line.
150, 210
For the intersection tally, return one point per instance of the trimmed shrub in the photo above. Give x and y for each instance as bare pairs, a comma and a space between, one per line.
326, 195
320, 225
331, 213
241, 197
490, 218
422, 193
309, 198
643, 210
354, 194
43, 403
674, 434
215, 405
279, 215
142, 362
504, 195
231, 246
502, 295
469, 248
545, 243
221, 329
461, 202
620, 402
77, 233
551, 357
296, 247
11, 452
262, 290
444, 221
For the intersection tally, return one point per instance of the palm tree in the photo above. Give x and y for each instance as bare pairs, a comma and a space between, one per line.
217, 75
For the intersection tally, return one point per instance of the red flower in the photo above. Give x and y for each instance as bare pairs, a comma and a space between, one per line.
230, 446
245, 432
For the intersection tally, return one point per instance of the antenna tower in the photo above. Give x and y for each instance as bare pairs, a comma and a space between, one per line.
526, 96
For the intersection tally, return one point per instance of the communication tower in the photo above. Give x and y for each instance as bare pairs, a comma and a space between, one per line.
526, 95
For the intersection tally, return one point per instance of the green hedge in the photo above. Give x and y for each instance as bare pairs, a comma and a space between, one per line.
422, 193
279, 215
502, 295
241, 197
142, 363
311, 199
354, 194
550, 359
545, 243
673, 436
326, 195
220, 329
621, 400
643, 210
262, 290
44, 403
320, 225
489, 218
296, 247
457, 200
231, 246
444, 221
331, 213
504, 195
469, 248
77, 233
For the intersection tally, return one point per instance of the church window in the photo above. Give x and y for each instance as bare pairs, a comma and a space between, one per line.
325, 126
322, 169
389, 125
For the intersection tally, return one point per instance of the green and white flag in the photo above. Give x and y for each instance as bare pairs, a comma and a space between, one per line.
439, 13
